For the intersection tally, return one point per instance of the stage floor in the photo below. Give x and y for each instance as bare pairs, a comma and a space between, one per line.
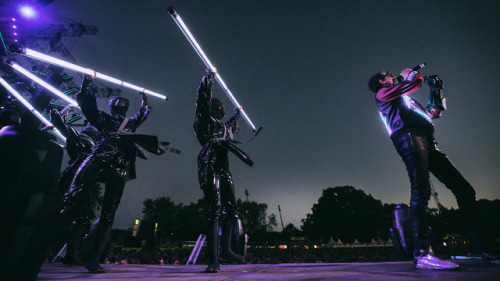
470, 271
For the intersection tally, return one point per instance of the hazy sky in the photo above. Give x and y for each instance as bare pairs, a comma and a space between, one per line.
300, 68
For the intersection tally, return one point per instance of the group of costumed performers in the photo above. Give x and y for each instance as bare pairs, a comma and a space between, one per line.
105, 151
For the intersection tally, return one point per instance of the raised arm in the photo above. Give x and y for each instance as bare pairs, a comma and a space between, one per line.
143, 112
87, 102
404, 88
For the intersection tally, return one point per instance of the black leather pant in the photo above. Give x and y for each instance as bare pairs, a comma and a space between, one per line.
218, 189
421, 155
96, 168
219, 194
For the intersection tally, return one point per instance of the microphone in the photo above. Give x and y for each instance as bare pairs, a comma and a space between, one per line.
412, 74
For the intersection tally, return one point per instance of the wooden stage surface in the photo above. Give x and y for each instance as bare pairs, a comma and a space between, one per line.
469, 271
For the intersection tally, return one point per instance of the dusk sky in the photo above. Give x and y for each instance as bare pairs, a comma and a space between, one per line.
300, 69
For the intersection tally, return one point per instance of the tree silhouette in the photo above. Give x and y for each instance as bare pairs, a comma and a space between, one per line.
254, 217
345, 213
162, 211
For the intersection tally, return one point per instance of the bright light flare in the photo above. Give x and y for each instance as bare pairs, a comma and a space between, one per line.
91, 72
27, 12
30, 107
180, 23
44, 84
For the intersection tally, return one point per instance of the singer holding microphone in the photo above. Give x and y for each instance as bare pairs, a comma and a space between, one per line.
411, 130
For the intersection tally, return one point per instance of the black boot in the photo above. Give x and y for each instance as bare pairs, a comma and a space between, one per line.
227, 253
212, 247
101, 239
73, 242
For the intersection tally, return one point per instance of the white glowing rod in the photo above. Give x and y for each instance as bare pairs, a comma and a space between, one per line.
30, 108
207, 62
46, 85
91, 72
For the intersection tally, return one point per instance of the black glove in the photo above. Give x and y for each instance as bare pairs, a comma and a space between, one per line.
86, 84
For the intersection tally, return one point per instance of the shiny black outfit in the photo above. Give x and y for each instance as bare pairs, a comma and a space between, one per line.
411, 132
421, 155
112, 161
79, 146
213, 170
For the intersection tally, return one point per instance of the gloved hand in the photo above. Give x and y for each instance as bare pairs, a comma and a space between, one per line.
145, 107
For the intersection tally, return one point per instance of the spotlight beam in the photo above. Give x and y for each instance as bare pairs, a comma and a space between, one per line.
49, 59
46, 85
208, 64
30, 107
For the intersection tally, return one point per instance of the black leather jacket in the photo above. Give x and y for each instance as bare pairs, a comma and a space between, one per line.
399, 111
115, 140
213, 135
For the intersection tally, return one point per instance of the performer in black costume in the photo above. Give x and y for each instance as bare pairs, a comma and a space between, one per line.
411, 130
213, 171
112, 161
79, 145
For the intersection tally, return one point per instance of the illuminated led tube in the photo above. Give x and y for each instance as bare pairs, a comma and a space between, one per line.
49, 59
208, 64
46, 85
30, 107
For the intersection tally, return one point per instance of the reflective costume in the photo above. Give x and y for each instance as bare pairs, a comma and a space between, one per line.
411, 130
112, 161
78, 145
213, 170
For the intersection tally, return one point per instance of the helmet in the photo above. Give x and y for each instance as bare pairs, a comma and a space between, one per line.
217, 109
118, 106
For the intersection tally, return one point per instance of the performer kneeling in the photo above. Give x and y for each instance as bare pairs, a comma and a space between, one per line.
213, 171
411, 130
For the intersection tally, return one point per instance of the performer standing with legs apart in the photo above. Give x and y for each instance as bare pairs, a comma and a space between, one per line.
213, 171
112, 161
411, 129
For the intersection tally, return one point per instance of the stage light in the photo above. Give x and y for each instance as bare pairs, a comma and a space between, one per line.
180, 23
43, 57
27, 11
30, 107
46, 85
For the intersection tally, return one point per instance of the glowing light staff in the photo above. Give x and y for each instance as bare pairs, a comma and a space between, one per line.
46, 85
30, 107
208, 64
91, 72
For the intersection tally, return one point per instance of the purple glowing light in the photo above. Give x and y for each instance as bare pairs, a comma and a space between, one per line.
189, 36
44, 84
14, 26
88, 71
30, 107
27, 12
